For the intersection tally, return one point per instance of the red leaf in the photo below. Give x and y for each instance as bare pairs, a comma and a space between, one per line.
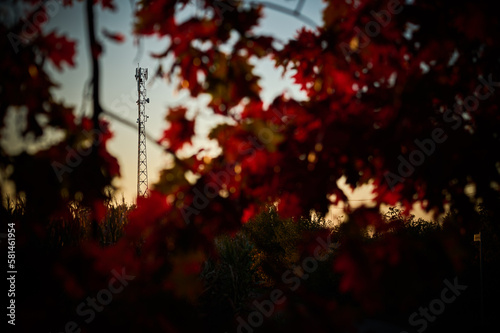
112, 166
148, 211
114, 36
181, 130
289, 205
249, 213
58, 49
99, 211
106, 4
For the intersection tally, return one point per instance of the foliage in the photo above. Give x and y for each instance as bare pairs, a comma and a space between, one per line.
277, 242
375, 87
75, 227
228, 280
409, 224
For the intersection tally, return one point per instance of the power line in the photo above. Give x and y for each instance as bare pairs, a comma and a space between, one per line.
292, 12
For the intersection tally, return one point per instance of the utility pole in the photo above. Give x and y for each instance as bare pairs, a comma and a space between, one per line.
478, 238
141, 76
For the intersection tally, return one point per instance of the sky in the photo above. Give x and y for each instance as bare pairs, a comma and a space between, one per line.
119, 88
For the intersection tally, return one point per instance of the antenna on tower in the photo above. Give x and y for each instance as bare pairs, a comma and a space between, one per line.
141, 76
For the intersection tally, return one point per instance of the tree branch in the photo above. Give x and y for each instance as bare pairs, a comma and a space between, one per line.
95, 50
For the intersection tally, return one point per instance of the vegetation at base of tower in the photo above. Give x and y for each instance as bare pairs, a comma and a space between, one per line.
267, 255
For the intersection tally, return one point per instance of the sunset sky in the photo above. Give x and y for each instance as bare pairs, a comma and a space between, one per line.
119, 89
